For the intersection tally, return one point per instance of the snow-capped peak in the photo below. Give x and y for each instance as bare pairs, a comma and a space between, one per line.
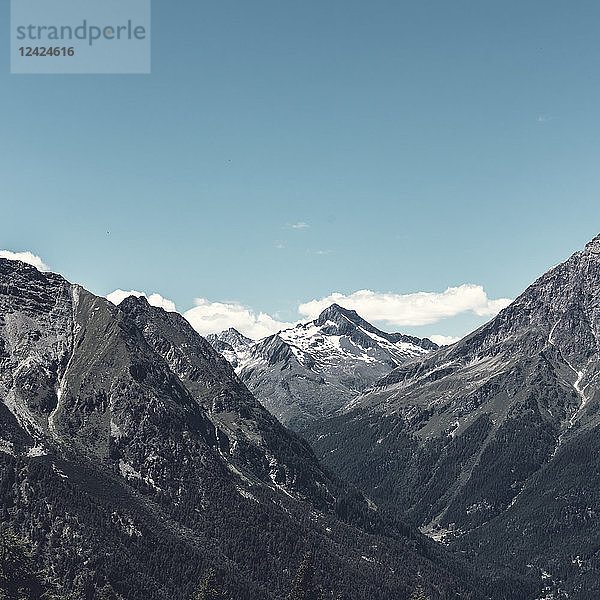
339, 350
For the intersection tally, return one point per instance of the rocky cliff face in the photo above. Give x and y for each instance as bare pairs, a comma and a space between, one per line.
312, 370
131, 454
491, 443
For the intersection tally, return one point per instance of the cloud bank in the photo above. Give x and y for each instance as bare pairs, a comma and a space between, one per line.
411, 310
213, 317
118, 296
393, 310
26, 257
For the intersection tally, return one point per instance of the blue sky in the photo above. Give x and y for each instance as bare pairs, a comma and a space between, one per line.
425, 145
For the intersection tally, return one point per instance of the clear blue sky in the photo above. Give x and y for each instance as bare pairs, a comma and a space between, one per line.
426, 144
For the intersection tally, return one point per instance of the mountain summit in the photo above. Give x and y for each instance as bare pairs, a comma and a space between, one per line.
313, 369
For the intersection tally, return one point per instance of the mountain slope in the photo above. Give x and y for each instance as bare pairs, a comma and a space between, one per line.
313, 369
490, 443
131, 454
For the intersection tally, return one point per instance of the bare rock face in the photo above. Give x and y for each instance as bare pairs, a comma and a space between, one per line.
491, 443
312, 370
131, 454
36, 337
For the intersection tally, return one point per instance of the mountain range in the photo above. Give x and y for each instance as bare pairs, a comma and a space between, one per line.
310, 371
492, 444
132, 456
134, 453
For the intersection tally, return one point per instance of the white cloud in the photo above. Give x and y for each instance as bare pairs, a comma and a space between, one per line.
443, 340
118, 296
26, 257
212, 317
300, 225
420, 308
